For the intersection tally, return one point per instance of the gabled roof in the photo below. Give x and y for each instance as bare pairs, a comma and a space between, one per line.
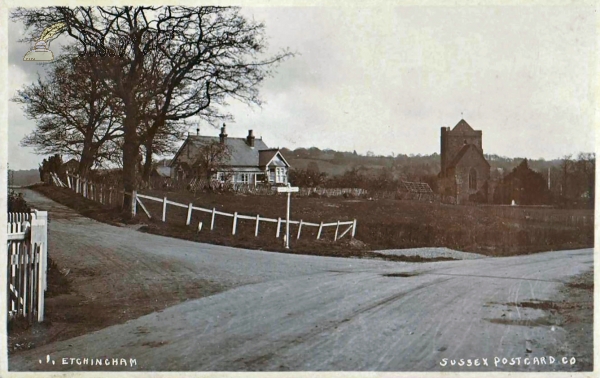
462, 125
462, 153
163, 171
266, 156
240, 153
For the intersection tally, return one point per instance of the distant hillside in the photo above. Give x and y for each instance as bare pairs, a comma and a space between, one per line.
335, 163
24, 177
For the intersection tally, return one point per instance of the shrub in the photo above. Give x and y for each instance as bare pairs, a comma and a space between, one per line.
16, 203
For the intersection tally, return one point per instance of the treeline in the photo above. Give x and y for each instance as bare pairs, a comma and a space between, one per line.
384, 179
123, 103
568, 182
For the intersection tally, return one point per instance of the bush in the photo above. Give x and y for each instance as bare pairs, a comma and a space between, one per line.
16, 203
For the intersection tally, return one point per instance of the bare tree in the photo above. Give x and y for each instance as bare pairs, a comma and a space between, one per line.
566, 168
74, 113
212, 158
207, 55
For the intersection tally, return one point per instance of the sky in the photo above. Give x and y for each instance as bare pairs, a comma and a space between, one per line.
386, 79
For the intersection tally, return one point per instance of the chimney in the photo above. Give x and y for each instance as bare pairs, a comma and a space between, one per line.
223, 135
250, 139
197, 131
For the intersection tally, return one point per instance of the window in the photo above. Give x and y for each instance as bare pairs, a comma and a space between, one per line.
473, 179
272, 175
243, 178
280, 177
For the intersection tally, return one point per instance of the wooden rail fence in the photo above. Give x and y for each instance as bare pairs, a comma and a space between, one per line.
257, 218
108, 195
27, 265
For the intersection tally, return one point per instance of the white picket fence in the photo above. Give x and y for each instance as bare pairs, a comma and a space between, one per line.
105, 194
257, 218
27, 264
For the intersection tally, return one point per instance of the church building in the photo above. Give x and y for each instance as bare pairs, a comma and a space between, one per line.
465, 173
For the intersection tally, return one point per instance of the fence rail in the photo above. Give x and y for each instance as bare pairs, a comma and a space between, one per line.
103, 193
98, 192
257, 218
27, 265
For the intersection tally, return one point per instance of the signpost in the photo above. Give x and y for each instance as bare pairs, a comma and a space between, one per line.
289, 190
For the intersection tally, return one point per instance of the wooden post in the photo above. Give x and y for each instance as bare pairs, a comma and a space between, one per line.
278, 227
110, 196
299, 229
101, 194
189, 215
234, 223
133, 203
256, 229
353, 229
212, 220
336, 231
164, 214
287, 222
320, 229
39, 236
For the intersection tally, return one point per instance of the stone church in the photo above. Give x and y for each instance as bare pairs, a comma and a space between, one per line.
465, 173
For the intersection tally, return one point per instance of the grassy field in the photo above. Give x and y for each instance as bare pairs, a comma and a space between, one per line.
387, 224
381, 224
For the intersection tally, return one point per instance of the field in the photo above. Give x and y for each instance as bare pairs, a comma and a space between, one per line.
388, 224
381, 224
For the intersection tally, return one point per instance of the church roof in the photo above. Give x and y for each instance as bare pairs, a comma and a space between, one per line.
462, 153
462, 125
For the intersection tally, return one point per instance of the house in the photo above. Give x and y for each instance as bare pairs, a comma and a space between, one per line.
237, 160
465, 172
523, 186
71, 166
161, 169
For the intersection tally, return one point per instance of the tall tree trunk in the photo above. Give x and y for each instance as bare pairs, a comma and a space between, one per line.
130, 157
147, 162
86, 162
149, 143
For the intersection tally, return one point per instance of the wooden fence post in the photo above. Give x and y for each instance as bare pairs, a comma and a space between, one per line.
320, 229
133, 203
189, 215
256, 229
164, 214
212, 220
336, 231
299, 229
278, 227
110, 196
39, 237
353, 229
234, 223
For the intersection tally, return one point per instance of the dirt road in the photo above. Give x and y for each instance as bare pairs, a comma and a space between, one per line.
282, 312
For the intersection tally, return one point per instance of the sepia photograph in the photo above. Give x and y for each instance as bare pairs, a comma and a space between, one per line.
283, 188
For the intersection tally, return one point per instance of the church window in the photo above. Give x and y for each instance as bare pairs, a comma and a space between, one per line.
473, 179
